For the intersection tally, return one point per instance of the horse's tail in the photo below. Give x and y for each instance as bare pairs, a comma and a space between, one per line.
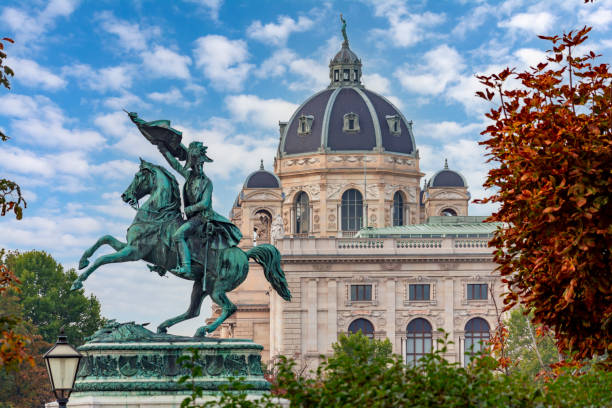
269, 258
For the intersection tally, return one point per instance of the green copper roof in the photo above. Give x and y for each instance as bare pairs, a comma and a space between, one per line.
437, 227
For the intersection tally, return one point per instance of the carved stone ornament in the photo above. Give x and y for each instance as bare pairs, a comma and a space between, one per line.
126, 357
447, 195
302, 162
400, 161
313, 191
410, 192
333, 191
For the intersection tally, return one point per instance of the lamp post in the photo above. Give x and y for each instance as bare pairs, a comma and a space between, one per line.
62, 362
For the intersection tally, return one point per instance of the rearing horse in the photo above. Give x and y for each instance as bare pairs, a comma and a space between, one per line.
150, 238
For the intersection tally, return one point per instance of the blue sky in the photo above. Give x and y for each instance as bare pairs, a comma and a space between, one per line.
226, 73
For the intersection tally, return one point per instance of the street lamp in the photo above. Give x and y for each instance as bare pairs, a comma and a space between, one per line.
62, 363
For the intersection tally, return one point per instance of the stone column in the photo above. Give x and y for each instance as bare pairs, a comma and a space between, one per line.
390, 313
311, 317
449, 311
332, 312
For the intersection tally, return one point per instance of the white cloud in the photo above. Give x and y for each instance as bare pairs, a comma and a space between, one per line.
442, 66
31, 74
124, 135
131, 36
171, 96
125, 100
223, 61
377, 83
313, 75
115, 78
211, 6
31, 26
164, 62
473, 19
277, 34
405, 28
39, 121
264, 113
599, 18
530, 57
535, 23
447, 130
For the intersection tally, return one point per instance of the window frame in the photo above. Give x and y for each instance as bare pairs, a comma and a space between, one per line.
347, 122
413, 292
477, 288
351, 215
305, 124
418, 342
399, 209
361, 289
301, 205
477, 338
369, 335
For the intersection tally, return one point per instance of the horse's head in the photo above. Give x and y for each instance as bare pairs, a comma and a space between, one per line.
142, 184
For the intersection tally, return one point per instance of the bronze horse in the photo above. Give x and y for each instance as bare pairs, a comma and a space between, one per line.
149, 238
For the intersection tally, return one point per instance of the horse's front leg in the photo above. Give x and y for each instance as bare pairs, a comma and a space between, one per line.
105, 240
127, 254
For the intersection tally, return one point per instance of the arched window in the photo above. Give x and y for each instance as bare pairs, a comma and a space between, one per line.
418, 340
449, 212
362, 325
301, 213
398, 209
352, 210
476, 336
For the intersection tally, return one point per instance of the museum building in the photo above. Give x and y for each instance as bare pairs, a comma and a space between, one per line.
365, 245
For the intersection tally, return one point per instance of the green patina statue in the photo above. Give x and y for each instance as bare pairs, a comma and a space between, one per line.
202, 248
344, 28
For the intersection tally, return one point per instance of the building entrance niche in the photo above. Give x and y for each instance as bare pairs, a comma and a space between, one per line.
261, 228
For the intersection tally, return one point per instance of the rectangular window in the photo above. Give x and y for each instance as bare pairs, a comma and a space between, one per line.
418, 292
336, 75
477, 291
351, 124
361, 293
356, 75
346, 74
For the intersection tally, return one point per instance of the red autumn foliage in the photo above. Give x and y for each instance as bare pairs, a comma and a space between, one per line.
13, 345
551, 142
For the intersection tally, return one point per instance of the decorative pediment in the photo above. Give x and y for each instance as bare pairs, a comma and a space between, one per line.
262, 196
448, 195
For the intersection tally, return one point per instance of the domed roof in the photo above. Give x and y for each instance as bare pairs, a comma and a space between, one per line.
345, 56
346, 117
262, 179
447, 178
378, 124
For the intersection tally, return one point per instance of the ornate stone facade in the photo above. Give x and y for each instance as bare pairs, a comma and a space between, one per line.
347, 166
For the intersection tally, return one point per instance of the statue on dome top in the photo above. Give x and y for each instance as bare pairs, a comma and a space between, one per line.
344, 28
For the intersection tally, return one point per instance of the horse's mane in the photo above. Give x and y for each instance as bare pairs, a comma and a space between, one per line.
175, 190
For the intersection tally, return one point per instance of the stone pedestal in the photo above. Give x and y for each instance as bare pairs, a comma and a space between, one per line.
126, 365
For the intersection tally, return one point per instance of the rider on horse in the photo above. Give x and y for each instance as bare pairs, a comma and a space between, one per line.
197, 197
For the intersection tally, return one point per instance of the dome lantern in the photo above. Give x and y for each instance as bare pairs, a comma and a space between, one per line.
345, 67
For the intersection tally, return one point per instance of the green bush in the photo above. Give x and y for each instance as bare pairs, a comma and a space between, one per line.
365, 373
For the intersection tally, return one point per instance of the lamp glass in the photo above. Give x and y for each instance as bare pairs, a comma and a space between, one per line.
62, 364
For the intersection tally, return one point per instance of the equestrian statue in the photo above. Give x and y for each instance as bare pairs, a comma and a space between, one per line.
201, 246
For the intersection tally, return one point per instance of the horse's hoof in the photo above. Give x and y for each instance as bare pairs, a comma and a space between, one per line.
76, 285
162, 330
202, 331
83, 263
